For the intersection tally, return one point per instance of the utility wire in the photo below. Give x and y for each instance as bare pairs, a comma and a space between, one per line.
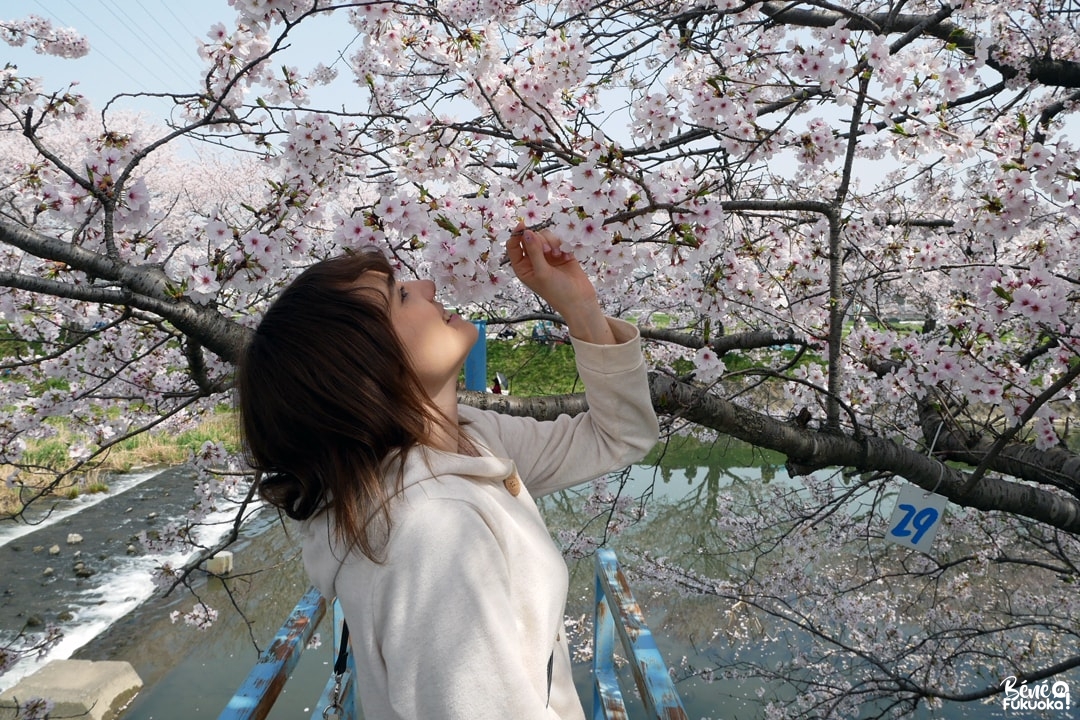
179, 21
185, 53
155, 44
103, 55
134, 35
123, 49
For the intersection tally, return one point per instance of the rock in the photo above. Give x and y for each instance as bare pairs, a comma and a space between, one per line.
220, 564
128, 510
77, 688
47, 571
74, 538
132, 550
152, 516
54, 550
66, 616
34, 621
82, 571
39, 548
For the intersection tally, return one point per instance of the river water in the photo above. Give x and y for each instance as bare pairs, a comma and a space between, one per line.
188, 673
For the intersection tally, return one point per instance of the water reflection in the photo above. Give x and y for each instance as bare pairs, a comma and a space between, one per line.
694, 630
670, 511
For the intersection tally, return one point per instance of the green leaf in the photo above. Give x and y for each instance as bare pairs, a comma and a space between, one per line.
444, 222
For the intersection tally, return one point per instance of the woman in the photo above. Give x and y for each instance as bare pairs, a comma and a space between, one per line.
417, 512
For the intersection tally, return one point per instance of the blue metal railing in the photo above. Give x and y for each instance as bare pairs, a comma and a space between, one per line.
258, 693
616, 610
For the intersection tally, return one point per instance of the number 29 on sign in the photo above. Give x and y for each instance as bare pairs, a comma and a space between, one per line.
916, 518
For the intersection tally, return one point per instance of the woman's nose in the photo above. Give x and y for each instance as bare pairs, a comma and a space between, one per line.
428, 289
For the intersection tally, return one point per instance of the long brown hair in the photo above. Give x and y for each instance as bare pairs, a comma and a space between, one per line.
325, 393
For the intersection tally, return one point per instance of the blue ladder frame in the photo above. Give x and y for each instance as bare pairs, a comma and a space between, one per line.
258, 693
616, 610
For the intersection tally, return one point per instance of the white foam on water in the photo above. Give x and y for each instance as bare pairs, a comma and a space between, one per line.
117, 593
15, 529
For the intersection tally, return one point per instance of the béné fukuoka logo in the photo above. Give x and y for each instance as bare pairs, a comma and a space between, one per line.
1042, 696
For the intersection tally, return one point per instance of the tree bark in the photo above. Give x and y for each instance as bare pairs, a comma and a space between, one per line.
144, 287
1057, 466
1047, 71
808, 450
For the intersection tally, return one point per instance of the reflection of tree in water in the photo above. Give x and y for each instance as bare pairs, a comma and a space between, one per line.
668, 503
754, 581
671, 501
643, 509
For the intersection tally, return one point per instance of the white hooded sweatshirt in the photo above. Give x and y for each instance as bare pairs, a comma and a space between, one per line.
463, 619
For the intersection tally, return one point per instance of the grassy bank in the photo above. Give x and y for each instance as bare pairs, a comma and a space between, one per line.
147, 450
531, 368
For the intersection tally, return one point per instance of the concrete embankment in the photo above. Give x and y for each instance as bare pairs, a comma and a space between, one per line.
74, 689
185, 672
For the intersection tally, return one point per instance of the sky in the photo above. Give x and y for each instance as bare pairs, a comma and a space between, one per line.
144, 45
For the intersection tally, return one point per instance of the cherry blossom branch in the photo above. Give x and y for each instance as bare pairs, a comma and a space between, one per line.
62, 42
1064, 381
1050, 112
1047, 71
69, 291
230, 537
149, 289
808, 450
30, 133
749, 340
90, 460
199, 373
1056, 466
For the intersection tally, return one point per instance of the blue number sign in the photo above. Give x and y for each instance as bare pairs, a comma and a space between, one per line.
916, 519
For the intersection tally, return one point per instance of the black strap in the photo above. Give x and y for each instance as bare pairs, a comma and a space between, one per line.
343, 650
334, 708
551, 666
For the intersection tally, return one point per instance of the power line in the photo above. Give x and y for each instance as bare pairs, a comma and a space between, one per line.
104, 56
154, 44
134, 34
194, 35
185, 53
123, 49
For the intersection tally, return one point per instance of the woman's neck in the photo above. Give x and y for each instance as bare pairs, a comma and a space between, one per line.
447, 435
452, 440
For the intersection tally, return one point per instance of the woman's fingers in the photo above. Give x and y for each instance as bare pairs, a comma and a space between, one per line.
529, 251
550, 247
514, 250
558, 255
535, 248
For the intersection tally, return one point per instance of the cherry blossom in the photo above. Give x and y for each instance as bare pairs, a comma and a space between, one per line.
63, 42
859, 226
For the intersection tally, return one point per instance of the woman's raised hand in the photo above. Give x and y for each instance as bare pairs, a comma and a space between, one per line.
556, 276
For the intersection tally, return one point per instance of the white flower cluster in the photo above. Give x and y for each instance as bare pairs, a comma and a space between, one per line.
49, 40
201, 616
